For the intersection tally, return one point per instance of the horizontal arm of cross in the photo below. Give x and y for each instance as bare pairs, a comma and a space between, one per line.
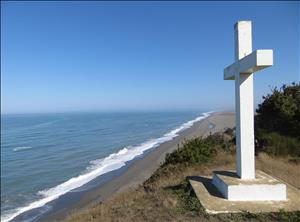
251, 63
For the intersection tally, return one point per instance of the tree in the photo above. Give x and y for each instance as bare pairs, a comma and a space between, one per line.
280, 111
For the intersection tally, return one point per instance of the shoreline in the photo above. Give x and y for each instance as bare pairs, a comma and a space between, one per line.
133, 173
137, 170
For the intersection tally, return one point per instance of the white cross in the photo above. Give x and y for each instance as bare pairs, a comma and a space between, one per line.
246, 63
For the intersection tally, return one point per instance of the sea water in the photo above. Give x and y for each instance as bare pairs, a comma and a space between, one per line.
44, 156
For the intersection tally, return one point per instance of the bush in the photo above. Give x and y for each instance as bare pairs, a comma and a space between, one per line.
280, 111
230, 131
288, 216
278, 145
196, 150
277, 123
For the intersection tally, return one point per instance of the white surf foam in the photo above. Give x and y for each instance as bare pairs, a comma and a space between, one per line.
20, 148
101, 166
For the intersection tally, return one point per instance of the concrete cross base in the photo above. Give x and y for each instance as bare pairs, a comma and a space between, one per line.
213, 200
262, 188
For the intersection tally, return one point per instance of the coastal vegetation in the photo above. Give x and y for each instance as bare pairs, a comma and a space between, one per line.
167, 195
277, 123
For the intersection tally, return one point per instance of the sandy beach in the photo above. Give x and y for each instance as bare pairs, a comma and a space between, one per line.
138, 170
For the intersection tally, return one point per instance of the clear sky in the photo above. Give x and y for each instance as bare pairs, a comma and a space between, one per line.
89, 56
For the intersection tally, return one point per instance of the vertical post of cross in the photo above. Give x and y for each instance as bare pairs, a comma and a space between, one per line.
244, 105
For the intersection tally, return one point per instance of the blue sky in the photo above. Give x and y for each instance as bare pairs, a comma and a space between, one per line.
90, 56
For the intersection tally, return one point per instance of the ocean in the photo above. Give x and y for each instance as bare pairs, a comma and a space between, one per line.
44, 156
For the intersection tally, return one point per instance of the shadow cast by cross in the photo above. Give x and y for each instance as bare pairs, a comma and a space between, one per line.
207, 182
226, 173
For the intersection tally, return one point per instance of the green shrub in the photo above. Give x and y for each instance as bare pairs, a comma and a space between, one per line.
277, 123
278, 145
193, 151
288, 216
280, 111
199, 150
230, 131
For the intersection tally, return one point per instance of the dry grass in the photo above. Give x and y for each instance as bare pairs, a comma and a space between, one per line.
152, 201
155, 201
280, 167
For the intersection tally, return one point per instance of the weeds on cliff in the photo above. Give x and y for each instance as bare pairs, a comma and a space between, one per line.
282, 215
188, 202
193, 151
167, 195
198, 150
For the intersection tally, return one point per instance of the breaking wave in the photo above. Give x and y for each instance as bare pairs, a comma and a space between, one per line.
99, 167
20, 148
